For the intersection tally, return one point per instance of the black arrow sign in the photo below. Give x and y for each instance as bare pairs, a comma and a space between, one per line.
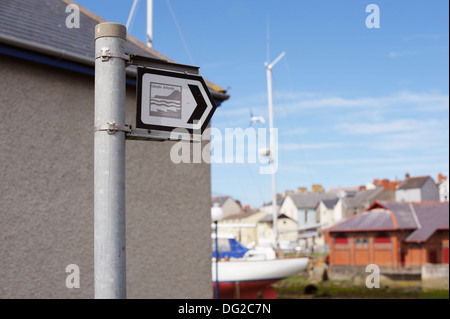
200, 107
201, 104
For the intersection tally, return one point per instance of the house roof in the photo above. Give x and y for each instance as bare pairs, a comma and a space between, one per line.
414, 182
423, 219
432, 216
329, 203
280, 201
403, 213
310, 200
40, 25
240, 215
376, 220
219, 200
269, 218
337, 190
362, 197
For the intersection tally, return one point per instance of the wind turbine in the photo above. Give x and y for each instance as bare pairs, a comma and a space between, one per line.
255, 119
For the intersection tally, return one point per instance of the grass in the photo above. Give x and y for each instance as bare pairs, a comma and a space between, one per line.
299, 287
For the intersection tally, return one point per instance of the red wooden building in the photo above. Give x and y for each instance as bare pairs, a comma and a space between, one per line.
392, 235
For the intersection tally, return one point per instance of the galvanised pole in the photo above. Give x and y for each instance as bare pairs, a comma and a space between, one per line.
109, 166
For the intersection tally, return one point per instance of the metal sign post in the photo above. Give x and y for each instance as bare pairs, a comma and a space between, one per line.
170, 96
109, 166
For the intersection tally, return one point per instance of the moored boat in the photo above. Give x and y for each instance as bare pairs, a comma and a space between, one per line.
247, 278
248, 273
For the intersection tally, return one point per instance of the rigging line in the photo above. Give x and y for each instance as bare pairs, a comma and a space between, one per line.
180, 32
247, 165
296, 137
268, 40
280, 136
288, 74
132, 14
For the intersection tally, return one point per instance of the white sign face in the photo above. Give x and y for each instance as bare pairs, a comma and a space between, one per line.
169, 100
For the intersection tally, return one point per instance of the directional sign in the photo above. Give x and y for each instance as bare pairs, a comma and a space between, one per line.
169, 100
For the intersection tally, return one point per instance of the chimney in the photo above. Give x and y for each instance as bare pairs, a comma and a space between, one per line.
385, 183
316, 188
441, 178
288, 192
407, 176
302, 190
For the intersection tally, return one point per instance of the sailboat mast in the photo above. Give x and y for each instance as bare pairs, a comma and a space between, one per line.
149, 23
272, 147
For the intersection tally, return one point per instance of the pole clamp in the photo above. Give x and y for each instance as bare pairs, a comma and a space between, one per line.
105, 54
112, 127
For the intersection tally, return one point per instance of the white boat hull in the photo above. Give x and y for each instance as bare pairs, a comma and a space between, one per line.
258, 270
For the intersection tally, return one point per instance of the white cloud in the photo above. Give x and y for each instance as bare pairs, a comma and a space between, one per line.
396, 54
420, 140
425, 36
296, 131
418, 101
383, 127
237, 112
311, 146
381, 160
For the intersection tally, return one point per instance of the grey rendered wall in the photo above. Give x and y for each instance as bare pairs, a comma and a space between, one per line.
408, 195
430, 191
434, 277
46, 187
230, 207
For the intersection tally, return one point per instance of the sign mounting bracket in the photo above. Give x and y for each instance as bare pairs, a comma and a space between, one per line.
146, 62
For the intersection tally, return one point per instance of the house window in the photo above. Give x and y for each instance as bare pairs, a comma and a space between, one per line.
432, 257
361, 241
382, 239
341, 239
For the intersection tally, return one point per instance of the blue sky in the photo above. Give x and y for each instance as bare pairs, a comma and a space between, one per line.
350, 103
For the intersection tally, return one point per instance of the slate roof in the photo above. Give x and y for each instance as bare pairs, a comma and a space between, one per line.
42, 23
403, 213
240, 215
432, 216
310, 200
280, 201
367, 221
414, 182
219, 200
362, 197
423, 219
269, 218
330, 203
